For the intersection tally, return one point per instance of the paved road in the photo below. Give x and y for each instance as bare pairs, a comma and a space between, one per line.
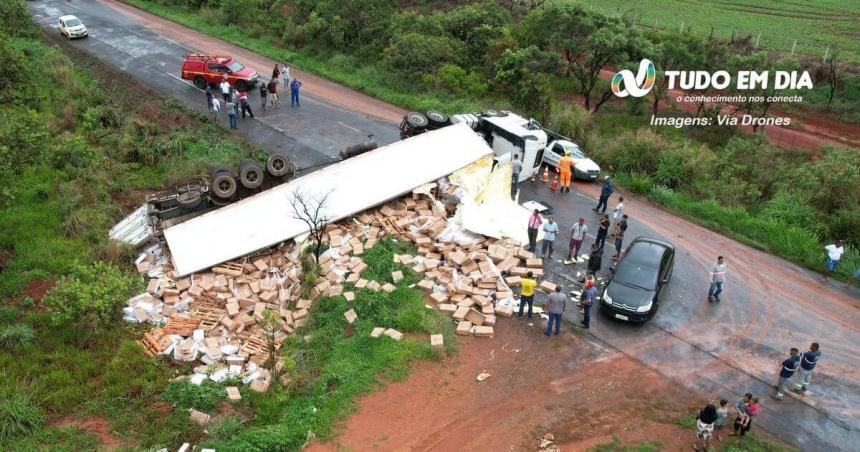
769, 304
724, 350
330, 118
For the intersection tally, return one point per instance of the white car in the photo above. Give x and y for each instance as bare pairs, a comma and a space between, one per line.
584, 168
72, 27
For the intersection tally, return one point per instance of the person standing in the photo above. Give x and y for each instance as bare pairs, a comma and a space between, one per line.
808, 360
225, 89
602, 230
556, 303
834, 255
594, 259
788, 367
273, 93
295, 86
231, 113
705, 427
718, 277
588, 298
618, 212
605, 193
264, 91
246, 107
722, 417
527, 293
535, 221
286, 74
618, 231
577, 235
209, 97
276, 72
565, 168
742, 420
216, 107
550, 230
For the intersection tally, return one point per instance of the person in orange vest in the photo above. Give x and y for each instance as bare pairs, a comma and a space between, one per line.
565, 167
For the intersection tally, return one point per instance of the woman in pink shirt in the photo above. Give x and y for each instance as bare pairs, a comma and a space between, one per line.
535, 221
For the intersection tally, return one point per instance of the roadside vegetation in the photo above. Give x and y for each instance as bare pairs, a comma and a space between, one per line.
544, 59
78, 150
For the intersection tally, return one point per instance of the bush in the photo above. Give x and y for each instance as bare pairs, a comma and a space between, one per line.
457, 81
572, 120
91, 296
414, 55
8, 315
16, 336
184, 395
19, 416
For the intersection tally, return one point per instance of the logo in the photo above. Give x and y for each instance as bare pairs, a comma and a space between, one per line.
638, 85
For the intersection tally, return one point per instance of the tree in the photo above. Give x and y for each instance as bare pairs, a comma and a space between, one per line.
477, 25
833, 72
344, 24
311, 211
414, 55
270, 322
671, 50
91, 296
522, 74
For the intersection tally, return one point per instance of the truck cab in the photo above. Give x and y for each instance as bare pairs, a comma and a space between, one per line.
510, 135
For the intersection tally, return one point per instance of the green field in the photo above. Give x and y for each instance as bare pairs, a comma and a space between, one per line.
815, 24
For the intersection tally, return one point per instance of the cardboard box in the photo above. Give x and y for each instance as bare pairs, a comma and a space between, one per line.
475, 317
484, 331
397, 276
377, 331
460, 313
351, 316
439, 297
394, 334
233, 393
448, 308
437, 340
426, 284
547, 287
464, 328
350, 296
534, 263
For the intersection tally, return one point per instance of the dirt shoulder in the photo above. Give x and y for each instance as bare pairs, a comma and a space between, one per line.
572, 386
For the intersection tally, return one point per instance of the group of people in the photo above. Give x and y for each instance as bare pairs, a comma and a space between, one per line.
556, 303
711, 420
236, 102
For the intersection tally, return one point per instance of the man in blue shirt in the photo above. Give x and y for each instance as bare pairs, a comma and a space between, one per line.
550, 229
789, 366
605, 193
808, 360
588, 298
295, 85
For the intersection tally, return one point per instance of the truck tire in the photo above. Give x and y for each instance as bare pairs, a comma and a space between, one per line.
223, 186
226, 169
417, 121
358, 149
250, 174
189, 200
492, 113
437, 119
278, 164
242, 86
200, 82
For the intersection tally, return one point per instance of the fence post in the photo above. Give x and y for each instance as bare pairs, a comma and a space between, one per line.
756, 41
793, 46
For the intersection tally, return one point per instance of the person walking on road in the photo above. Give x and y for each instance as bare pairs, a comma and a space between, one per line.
808, 360
788, 367
550, 230
225, 89
834, 255
605, 193
527, 293
602, 230
618, 212
718, 277
705, 427
295, 86
231, 113
264, 91
565, 169
618, 231
588, 298
535, 222
577, 235
556, 303
273, 93
594, 259
246, 107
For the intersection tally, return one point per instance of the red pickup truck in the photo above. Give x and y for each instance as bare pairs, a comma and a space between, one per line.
209, 70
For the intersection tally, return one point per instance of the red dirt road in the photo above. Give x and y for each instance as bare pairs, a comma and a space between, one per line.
571, 386
345, 97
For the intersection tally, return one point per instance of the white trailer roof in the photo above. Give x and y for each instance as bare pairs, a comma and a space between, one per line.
354, 185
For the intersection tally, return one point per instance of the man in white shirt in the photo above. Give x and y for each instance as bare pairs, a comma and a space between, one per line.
225, 89
619, 209
577, 235
834, 255
718, 277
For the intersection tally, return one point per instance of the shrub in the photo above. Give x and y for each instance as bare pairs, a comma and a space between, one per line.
184, 395
572, 120
8, 315
19, 416
457, 81
90, 296
414, 55
16, 336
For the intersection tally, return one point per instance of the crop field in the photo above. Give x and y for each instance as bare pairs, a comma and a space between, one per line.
815, 24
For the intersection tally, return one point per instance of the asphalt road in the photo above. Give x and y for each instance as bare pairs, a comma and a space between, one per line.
311, 135
716, 350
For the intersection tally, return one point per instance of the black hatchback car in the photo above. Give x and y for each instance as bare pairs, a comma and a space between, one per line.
633, 291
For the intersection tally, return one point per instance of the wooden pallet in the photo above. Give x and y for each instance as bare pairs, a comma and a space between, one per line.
155, 342
209, 317
253, 344
181, 326
233, 269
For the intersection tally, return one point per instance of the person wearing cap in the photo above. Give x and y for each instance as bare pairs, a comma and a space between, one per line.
555, 304
535, 221
588, 298
834, 255
565, 168
577, 235
605, 193
808, 360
